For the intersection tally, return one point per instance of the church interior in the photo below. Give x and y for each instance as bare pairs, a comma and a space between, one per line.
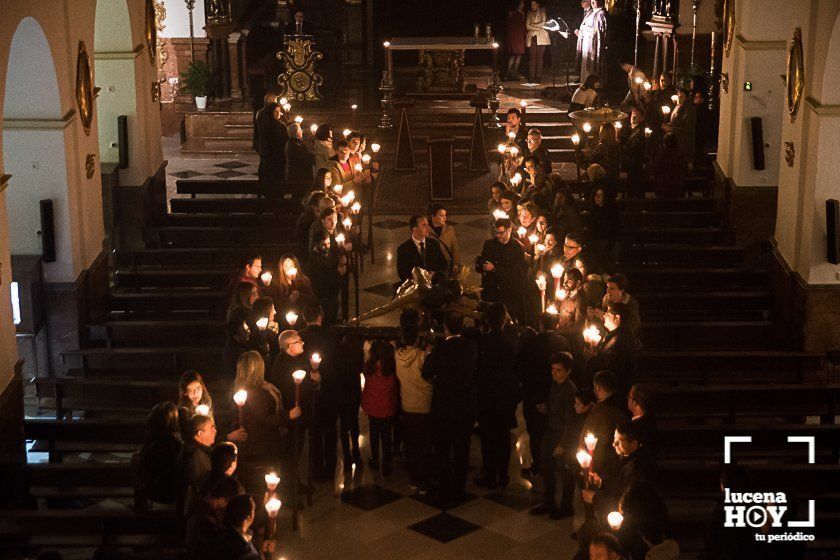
463, 279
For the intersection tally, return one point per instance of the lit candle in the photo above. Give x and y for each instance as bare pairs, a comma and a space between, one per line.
648, 132
560, 294
338, 188
239, 398
551, 309
647, 86
583, 458
517, 177
539, 248
262, 324
271, 481
287, 107
591, 335
618, 125
272, 506
386, 44
591, 441
514, 151
346, 132
541, 287
575, 138
354, 106
362, 382
615, 519
666, 110
638, 79
675, 98
339, 239
557, 270
356, 207
298, 376
374, 147
266, 278
533, 238
347, 223
502, 148
511, 136
366, 159
523, 104
315, 360
298, 119
522, 231
291, 318
358, 167
203, 410
587, 128
499, 214
283, 101
313, 129
495, 45
291, 272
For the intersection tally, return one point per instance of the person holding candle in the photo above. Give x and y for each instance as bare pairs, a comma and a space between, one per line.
617, 285
238, 332
323, 181
193, 463
606, 152
234, 541
323, 146
605, 546
343, 170
224, 461
508, 201
309, 215
249, 272
159, 453
616, 351
379, 401
514, 125
536, 178
537, 149
192, 392
444, 232
263, 329
327, 268
571, 307
606, 414
498, 395
504, 269
291, 288
299, 159
204, 518
495, 200
683, 124
322, 344
634, 147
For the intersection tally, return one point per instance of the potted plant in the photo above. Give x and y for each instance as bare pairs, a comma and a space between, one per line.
195, 81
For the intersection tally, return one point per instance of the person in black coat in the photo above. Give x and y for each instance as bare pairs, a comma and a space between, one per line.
504, 272
272, 138
327, 267
498, 395
640, 405
616, 352
160, 452
298, 25
325, 407
635, 463
233, 541
533, 369
604, 225
204, 520
300, 161
193, 464
420, 250
450, 367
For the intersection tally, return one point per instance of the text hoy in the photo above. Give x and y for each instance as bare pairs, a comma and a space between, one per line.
767, 508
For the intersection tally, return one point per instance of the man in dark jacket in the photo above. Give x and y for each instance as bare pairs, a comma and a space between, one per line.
193, 463
299, 160
634, 464
272, 138
560, 441
607, 413
533, 368
204, 521
617, 351
290, 359
420, 250
537, 149
323, 341
503, 269
498, 395
450, 367
234, 541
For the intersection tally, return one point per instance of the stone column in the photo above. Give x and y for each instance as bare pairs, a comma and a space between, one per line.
234, 69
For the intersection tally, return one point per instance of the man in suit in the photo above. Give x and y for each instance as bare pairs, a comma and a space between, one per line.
299, 159
514, 124
419, 250
683, 123
234, 541
503, 269
450, 367
299, 25
617, 351
536, 149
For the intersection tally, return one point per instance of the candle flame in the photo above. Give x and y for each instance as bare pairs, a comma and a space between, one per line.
575, 138
298, 375
587, 128
533, 238
374, 147
521, 231
584, 458
272, 506
500, 214
313, 128
502, 148
615, 519
356, 207
272, 480
339, 238
366, 159
298, 119
266, 278
263, 323
240, 397
316, 358
551, 309
666, 110
203, 410
291, 317
556, 270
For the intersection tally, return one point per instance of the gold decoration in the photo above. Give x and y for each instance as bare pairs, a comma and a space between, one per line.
299, 81
84, 87
155, 91
728, 25
442, 71
795, 74
790, 153
724, 82
160, 15
90, 165
151, 30
217, 11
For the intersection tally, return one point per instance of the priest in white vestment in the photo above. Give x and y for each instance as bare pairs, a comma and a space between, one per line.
592, 37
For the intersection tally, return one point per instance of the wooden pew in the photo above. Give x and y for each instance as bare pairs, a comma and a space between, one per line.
178, 358
187, 278
71, 481
58, 437
195, 332
207, 237
162, 304
121, 396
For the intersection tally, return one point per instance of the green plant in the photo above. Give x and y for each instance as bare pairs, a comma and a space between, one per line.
196, 78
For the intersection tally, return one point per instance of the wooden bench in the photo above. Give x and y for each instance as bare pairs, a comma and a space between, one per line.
213, 280
195, 187
73, 481
124, 396
196, 332
59, 437
158, 304
178, 358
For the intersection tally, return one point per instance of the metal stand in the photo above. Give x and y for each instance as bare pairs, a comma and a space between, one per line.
386, 86
495, 88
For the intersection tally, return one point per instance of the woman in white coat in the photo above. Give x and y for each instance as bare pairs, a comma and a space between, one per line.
536, 39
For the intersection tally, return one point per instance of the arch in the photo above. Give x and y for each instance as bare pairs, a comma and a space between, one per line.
831, 73
112, 30
34, 148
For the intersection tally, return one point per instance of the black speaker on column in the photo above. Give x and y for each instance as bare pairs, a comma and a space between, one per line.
758, 143
832, 227
122, 139
47, 231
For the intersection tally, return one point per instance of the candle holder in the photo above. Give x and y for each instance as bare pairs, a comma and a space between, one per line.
541, 285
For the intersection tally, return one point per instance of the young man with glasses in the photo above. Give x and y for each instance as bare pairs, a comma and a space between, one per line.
504, 270
291, 359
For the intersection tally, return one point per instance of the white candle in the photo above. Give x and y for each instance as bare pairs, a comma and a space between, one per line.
618, 125
514, 151
551, 309
666, 110
499, 214
272, 506
346, 132
263, 323
638, 79
374, 147
591, 441
533, 238
502, 148
287, 107
347, 223
266, 278
539, 249
291, 317
337, 188
615, 519
583, 458
648, 132
575, 138
203, 410
521, 231
299, 375
591, 335
523, 103
240, 397
517, 177
313, 129
283, 101
647, 86
541, 282
358, 167
366, 159
271, 481
291, 272
560, 294
298, 119
675, 98
556, 270
354, 106
315, 360
511, 135
339, 239
356, 207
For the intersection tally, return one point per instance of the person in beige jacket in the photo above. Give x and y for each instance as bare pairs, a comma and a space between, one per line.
416, 397
445, 233
536, 39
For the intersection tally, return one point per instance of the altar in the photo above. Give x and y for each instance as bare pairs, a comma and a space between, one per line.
441, 59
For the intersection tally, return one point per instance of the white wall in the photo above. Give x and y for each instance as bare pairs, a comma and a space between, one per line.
31, 83
705, 17
112, 31
178, 21
23, 150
